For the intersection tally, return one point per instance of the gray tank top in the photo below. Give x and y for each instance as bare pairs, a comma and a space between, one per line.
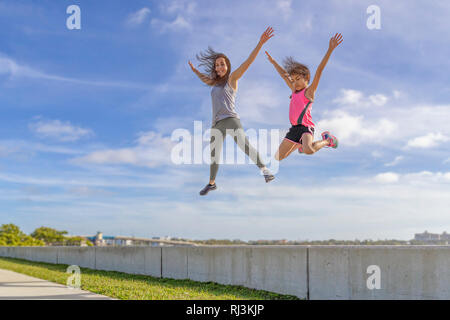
223, 99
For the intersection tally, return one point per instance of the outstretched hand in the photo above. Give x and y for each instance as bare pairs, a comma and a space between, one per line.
192, 67
269, 57
335, 41
266, 35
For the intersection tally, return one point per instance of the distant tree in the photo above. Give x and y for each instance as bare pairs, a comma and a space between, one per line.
52, 236
11, 235
77, 241
49, 235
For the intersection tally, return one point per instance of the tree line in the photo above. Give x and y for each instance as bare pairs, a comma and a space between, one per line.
11, 235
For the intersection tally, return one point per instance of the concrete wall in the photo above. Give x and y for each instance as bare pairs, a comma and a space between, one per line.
280, 269
174, 262
406, 272
314, 272
135, 260
81, 256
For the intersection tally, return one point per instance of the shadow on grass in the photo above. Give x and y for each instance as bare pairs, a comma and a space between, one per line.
210, 288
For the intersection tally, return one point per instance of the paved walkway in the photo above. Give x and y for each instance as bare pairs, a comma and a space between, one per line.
17, 286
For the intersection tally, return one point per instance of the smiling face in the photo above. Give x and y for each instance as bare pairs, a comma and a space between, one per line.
221, 67
298, 81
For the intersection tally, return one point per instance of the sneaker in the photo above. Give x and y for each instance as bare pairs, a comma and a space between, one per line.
208, 188
333, 142
326, 135
268, 175
300, 148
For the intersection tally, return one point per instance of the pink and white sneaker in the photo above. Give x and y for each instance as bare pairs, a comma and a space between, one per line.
332, 139
325, 135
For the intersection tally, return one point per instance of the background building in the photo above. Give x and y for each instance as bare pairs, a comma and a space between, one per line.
426, 236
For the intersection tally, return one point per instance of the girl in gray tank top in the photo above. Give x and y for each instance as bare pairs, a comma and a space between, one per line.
223, 99
224, 116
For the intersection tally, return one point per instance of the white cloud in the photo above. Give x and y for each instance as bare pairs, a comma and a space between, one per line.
350, 97
428, 141
397, 94
8, 66
178, 24
383, 208
394, 162
24, 150
15, 71
427, 177
417, 179
58, 130
388, 177
177, 6
84, 191
285, 7
103, 178
152, 150
378, 99
72, 180
262, 103
376, 154
179, 15
138, 17
389, 205
388, 121
355, 130
420, 118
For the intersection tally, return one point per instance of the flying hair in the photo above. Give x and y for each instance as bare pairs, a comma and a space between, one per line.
207, 60
294, 67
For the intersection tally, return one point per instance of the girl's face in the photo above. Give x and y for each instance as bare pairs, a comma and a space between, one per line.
221, 67
298, 81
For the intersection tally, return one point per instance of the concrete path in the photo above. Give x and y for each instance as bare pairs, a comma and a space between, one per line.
17, 286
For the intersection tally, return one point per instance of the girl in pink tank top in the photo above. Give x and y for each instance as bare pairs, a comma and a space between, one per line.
301, 133
300, 109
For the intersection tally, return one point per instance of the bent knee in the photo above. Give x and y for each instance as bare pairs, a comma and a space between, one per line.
308, 150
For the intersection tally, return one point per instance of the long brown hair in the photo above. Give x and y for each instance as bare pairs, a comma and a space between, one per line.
208, 61
293, 67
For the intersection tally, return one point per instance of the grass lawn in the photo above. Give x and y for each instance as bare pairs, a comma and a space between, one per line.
139, 287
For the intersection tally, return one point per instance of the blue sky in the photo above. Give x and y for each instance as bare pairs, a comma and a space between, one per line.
87, 118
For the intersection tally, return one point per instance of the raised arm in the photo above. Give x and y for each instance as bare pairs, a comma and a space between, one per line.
334, 42
281, 71
237, 74
202, 76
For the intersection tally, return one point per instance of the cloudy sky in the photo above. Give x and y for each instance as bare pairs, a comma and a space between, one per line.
87, 118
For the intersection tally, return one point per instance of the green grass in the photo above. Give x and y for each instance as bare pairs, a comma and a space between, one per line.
139, 287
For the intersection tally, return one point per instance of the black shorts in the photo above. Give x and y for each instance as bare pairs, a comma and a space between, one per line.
295, 133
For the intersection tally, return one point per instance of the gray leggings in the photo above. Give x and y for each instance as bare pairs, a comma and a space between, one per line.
218, 134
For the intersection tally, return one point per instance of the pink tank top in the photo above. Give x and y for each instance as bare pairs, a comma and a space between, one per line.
300, 109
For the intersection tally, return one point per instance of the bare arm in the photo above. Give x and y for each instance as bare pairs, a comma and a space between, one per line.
202, 76
281, 71
237, 74
334, 42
